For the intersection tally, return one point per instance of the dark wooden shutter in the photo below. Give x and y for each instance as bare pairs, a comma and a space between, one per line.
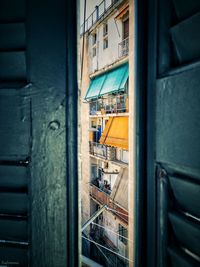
15, 136
167, 71
177, 131
38, 143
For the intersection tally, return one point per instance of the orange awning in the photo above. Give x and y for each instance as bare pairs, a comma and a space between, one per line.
116, 133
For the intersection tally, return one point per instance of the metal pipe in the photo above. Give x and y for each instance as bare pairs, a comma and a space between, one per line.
93, 218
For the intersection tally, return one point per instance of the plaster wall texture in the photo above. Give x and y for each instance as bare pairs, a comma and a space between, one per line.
108, 56
84, 133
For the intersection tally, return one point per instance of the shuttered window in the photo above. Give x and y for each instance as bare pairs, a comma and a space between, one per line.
177, 133
126, 28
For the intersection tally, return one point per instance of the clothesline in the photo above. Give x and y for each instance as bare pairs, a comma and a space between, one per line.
96, 243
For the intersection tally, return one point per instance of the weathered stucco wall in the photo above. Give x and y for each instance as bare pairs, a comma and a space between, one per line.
108, 56
84, 148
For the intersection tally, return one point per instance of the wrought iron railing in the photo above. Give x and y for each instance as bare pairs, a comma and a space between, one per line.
104, 199
110, 104
108, 153
123, 48
98, 13
98, 150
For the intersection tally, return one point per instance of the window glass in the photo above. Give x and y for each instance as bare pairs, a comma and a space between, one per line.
105, 43
123, 234
105, 29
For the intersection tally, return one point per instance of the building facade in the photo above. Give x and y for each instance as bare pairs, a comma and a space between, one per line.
105, 132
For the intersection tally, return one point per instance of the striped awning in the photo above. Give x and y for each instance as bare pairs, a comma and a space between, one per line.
109, 82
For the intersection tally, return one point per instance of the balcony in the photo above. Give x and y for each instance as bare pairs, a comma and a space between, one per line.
98, 150
103, 198
99, 12
109, 105
123, 48
108, 153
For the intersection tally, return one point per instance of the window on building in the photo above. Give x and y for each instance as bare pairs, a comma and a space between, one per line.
94, 171
105, 35
94, 44
105, 43
94, 51
126, 28
100, 172
93, 124
123, 234
105, 29
94, 38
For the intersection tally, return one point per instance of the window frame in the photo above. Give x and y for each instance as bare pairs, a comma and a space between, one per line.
123, 234
105, 29
105, 41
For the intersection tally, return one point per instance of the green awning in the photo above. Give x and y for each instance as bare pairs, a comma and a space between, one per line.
108, 83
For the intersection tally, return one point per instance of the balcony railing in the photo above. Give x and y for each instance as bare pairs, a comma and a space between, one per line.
109, 105
97, 14
108, 153
104, 199
123, 48
98, 150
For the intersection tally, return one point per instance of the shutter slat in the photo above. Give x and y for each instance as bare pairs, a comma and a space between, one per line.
184, 9
13, 203
181, 259
186, 231
13, 254
12, 36
12, 10
12, 66
13, 177
186, 39
13, 230
187, 194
